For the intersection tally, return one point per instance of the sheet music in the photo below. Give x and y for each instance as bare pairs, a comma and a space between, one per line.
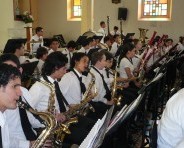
88, 142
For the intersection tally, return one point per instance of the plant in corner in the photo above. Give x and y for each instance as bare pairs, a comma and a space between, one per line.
27, 17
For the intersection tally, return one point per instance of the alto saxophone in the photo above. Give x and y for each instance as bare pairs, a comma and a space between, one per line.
80, 108
48, 120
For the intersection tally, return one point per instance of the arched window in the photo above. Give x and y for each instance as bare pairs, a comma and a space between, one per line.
154, 10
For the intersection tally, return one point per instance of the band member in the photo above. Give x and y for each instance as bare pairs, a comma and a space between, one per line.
10, 92
115, 31
115, 45
180, 44
54, 68
85, 46
171, 125
103, 99
102, 31
107, 43
54, 45
37, 38
70, 48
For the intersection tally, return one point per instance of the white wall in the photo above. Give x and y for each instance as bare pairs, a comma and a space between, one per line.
53, 18
174, 28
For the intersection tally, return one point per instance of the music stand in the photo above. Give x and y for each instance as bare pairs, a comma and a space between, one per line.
95, 137
28, 70
125, 113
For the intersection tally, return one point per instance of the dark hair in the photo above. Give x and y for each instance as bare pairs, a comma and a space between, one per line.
124, 50
7, 73
181, 38
106, 38
38, 29
115, 27
136, 41
76, 57
85, 43
101, 23
9, 57
71, 44
108, 55
115, 36
96, 56
54, 61
40, 52
53, 40
13, 46
90, 39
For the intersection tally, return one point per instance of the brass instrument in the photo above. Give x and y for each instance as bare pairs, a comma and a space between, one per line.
143, 37
81, 108
117, 99
48, 120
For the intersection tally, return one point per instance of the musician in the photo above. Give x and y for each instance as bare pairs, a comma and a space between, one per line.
54, 45
9, 93
54, 68
41, 55
115, 31
180, 44
102, 31
16, 47
103, 99
126, 69
85, 47
72, 83
166, 47
115, 44
171, 125
107, 43
19, 137
38, 37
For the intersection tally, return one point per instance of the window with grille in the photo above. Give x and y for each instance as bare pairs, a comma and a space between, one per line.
154, 10
76, 8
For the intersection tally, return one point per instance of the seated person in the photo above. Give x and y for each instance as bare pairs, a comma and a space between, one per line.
54, 45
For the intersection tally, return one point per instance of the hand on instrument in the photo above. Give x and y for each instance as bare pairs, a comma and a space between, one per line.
60, 117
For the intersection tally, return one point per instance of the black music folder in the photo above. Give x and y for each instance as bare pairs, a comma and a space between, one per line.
81, 39
28, 70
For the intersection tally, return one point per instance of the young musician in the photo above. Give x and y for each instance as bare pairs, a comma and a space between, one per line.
37, 38
115, 45
54, 68
103, 99
21, 135
85, 47
54, 45
115, 31
102, 30
107, 43
10, 92
70, 48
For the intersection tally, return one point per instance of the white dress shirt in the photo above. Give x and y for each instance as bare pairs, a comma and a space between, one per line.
125, 63
180, 47
40, 65
108, 80
171, 126
40, 94
69, 55
114, 48
83, 50
17, 136
115, 33
4, 130
35, 46
99, 85
70, 87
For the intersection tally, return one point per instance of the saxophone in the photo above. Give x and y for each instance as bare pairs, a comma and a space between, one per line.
80, 108
48, 120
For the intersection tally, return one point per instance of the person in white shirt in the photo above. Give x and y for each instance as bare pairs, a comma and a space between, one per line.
107, 43
180, 46
37, 38
41, 55
54, 45
103, 99
115, 45
10, 82
17, 47
115, 31
102, 31
72, 83
171, 126
53, 69
70, 48
85, 46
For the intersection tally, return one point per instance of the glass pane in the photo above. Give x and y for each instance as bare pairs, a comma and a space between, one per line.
146, 8
164, 6
77, 2
164, 12
163, 1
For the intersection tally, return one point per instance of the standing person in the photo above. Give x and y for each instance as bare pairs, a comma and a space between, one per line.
10, 92
102, 31
37, 38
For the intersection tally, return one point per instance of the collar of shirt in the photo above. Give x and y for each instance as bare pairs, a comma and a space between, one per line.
2, 119
50, 79
79, 74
